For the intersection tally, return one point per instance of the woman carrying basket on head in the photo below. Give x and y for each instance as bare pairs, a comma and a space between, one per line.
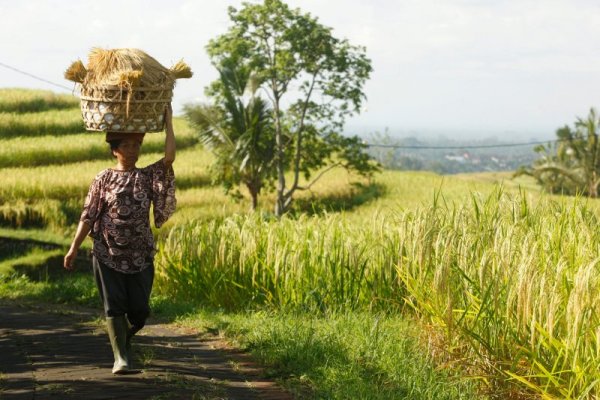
116, 215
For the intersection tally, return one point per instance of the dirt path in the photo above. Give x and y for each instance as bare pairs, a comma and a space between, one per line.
65, 354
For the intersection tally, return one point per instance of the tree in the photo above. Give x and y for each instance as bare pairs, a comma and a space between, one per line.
572, 164
313, 82
238, 128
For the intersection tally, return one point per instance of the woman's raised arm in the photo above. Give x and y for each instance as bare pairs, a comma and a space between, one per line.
170, 138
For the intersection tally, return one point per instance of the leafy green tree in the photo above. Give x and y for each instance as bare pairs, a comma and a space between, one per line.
313, 81
238, 128
572, 164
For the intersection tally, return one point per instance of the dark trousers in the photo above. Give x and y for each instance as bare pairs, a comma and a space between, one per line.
125, 294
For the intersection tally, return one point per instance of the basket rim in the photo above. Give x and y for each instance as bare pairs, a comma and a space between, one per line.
134, 88
132, 101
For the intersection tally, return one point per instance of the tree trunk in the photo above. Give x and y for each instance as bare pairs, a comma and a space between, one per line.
280, 207
254, 186
593, 188
254, 196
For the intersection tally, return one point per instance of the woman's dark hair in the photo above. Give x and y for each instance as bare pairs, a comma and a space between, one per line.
114, 144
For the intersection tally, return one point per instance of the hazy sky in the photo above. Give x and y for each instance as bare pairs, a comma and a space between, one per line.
515, 68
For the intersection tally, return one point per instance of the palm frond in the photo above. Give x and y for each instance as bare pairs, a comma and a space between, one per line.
575, 175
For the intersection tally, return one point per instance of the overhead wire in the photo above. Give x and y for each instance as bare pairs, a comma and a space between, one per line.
35, 76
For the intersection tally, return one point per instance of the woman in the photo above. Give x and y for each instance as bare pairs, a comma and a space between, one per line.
116, 215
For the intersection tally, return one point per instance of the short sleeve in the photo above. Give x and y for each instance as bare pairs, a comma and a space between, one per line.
163, 191
92, 207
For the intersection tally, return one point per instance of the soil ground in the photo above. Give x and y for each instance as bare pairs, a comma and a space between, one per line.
50, 352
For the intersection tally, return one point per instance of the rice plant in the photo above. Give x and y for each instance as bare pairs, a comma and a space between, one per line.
42, 213
285, 264
53, 122
17, 100
52, 196
516, 286
509, 282
49, 149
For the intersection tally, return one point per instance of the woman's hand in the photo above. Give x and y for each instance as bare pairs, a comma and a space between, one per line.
83, 229
70, 258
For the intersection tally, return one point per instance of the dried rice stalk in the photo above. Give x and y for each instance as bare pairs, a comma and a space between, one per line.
126, 68
181, 70
130, 79
76, 72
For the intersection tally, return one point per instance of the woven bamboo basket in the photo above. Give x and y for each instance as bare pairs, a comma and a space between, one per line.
125, 90
114, 109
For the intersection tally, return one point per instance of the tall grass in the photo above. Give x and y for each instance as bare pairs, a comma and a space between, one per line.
310, 263
510, 284
15, 100
516, 286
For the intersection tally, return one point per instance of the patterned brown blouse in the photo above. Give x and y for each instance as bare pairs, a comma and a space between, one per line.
117, 209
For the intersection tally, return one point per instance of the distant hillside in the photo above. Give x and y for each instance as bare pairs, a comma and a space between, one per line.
448, 156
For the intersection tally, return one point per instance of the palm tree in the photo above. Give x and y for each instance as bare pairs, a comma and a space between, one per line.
575, 166
238, 129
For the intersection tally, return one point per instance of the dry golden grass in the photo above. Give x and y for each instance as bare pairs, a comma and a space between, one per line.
125, 68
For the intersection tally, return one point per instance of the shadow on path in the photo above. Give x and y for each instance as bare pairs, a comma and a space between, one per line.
53, 354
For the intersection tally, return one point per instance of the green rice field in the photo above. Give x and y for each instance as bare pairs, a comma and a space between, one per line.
410, 285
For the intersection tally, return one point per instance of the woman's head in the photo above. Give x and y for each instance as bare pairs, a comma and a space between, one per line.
125, 146
112, 136
114, 144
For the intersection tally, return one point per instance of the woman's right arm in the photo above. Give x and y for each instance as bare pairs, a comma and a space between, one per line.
83, 229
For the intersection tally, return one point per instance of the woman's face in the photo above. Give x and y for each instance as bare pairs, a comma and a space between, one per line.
128, 151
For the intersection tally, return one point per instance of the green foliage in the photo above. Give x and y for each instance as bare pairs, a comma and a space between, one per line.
286, 49
239, 132
347, 200
572, 165
510, 285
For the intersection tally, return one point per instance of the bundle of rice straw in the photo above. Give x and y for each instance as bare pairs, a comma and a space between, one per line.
125, 90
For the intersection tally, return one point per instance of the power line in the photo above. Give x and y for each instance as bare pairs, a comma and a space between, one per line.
35, 77
482, 146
